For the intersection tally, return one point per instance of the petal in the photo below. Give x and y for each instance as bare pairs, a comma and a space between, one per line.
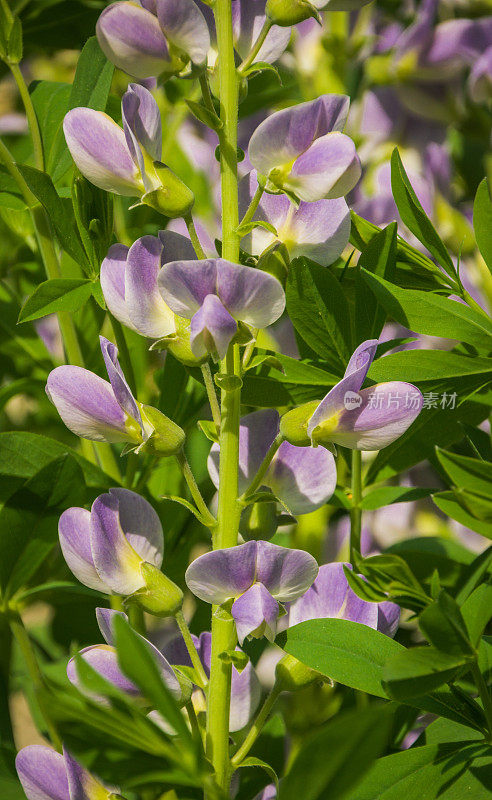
83, 785
184, 285
105, 618
329, 168
146, 308
385, 412
42, 773
140, 524
255, 613
318, 230
248, 17
104, 660
113, 283
75, 543
132, 39
86, 404
286, 573
143, 131
256, 433
98, 147
325, 598
388, 618
184, 25
212, 329
269, 792
303, 478
176, 247
116, 561
253, 296
245, 696
221, 574
361, 359
118, 381
283, 136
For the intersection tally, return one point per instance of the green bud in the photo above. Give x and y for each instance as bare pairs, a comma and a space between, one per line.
172, 198
167, 438
178, 344
275, 260
258, 521
293, 424
160, 596
290, 12
291, 675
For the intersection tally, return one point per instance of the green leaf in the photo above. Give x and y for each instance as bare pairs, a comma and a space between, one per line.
58, 294
386, 495
205, 115
449, 503
252, 761
477, 611
467, 473
319, 311
333, 761
414, 216
420, 670
29, 520
10, 787
419, 366
243, 230
431, 314
482, 222
443, 625
378, 257
50, 100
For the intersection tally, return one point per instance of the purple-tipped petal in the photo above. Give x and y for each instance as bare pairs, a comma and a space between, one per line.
175, 247
212, 328
116, 561
318, 230
286, 573
98, 147
105, 620
255, 613
132, 39
303, 478
253, 296
86, 404
384, 414
361, 359
184, 25
140, 524
184, 285
149, 313
83, 785
217, 576
104, 660
113, 283
42, 773
75, 543
118, 381
330, 168
248, 17
388, 618
283, 136
143, 130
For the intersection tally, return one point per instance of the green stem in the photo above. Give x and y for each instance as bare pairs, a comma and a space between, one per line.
211, 393
136, 618
356, 511
194, 490
256, 728
257, 46
195, 241
256, 482
473, 304
255, 202
21, 636
485, 697
192, 651
206, 94
32, 119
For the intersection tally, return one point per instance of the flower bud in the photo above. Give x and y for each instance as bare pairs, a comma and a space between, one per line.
167, 438
258, 521
173, 198
160, 595
293, 424
290, 12
291, 675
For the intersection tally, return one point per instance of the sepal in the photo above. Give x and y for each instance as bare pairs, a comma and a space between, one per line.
293, 424
292, 675
159, 596
285, 13
167, 438
173, 198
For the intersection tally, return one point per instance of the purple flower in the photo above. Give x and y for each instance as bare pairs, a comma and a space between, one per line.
319, 230
302, 151
214, 294
103, 658
257, 576
330, 596
303, 479
129, 282
245, 686
47, 775
480, 78
367, 419
106, 546
153, 38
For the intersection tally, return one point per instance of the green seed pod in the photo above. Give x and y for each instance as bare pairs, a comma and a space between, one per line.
258, 521
291, 675
160, 596
172, 198
293, 425
290, 12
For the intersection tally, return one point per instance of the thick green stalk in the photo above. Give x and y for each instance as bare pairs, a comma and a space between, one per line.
356, 511
223, 628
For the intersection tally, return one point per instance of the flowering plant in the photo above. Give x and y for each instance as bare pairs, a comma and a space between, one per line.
246, 353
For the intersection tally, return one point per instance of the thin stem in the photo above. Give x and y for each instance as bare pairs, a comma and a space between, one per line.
193, 487
136, 618
249, 350
116, 602
211, 393
257, 46
255, 202
22, 638
192, 651
206, 94
473, 304
256, 482
31, 116
256, 728
195, 727
356, 511
485, 697
195, 241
